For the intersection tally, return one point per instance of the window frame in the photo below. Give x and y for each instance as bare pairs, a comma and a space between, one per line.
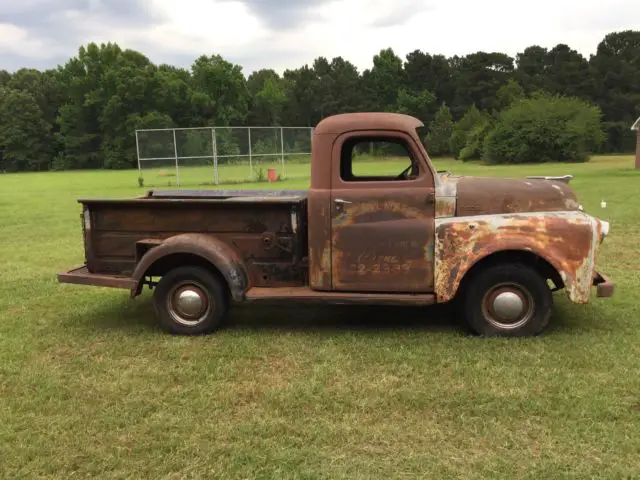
425, 177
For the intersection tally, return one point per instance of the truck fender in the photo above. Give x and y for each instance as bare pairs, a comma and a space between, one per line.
208, 248
567, 241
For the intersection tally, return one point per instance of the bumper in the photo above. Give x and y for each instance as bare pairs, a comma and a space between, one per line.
605, 287
82, 276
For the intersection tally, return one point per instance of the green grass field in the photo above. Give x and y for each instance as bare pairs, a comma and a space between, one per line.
90, 387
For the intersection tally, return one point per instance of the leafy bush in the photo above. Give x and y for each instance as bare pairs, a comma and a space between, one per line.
545, 128
460, 131
475, 140
260, 175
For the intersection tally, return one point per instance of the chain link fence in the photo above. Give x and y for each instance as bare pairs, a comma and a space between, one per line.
222, 155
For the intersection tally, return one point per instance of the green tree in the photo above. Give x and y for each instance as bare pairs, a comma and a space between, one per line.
383, 82
438, 141
616, 68
25, 138
222, 94
418, 104
433, 73
478, 78
545, 128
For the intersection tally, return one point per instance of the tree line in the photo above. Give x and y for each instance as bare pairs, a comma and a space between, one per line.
83, 114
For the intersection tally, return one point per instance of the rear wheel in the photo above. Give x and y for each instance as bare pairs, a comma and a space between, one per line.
190, 301
510, 300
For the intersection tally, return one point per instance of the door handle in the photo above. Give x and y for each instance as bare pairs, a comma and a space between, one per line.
341, 201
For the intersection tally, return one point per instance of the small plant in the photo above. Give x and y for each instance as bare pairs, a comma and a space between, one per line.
140, 181
279, 178
260, 175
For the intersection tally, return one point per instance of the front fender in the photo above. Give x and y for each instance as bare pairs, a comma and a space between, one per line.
210, 249
567, 240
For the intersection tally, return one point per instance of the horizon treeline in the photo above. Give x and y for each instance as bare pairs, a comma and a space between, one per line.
84, 114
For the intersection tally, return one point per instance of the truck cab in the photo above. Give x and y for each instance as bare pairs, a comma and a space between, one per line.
364, 232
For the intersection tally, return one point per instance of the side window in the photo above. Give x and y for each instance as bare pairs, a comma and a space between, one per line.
377, 158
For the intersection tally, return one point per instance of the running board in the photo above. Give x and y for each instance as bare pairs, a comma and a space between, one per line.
306, 295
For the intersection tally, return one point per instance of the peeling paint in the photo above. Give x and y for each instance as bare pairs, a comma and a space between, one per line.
463, 241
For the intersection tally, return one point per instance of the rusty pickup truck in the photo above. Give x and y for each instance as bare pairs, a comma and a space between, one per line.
363, 233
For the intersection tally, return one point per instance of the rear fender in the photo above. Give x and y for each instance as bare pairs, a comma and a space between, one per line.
208, 248
567, 240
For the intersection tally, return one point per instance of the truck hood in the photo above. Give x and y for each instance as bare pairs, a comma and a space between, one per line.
488, 195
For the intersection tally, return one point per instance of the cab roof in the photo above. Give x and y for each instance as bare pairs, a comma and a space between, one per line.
346, 122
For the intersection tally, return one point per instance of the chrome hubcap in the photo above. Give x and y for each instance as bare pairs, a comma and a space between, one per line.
188, 304
508, 306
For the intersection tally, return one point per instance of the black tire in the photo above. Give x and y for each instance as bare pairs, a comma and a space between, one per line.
524, 311
204, 303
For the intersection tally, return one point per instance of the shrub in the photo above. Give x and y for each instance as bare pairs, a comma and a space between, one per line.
460, 131
260, 175
545, 128
475, 140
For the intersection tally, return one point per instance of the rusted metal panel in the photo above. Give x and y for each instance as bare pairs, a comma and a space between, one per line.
446, 195
382, 231
567, 240
381, 244
277, 274
481, 196
319, 234
227, 261
199, 218
347, 122
306, 295
260, 234
258, 246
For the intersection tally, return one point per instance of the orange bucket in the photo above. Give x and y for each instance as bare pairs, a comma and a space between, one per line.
272, 176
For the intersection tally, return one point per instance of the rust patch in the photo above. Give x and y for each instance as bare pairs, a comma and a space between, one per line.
567, 240
446, 195
319, 239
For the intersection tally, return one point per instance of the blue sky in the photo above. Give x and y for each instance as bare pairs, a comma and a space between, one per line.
284, 34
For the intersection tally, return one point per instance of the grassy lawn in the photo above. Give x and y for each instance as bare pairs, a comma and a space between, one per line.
89, 386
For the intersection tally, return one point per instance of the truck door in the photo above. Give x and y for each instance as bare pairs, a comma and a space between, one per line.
382, 214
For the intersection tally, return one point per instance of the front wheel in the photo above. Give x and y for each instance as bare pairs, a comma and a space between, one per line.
190, 301
508, 300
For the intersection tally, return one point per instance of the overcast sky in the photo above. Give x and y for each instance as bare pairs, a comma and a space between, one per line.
284, 34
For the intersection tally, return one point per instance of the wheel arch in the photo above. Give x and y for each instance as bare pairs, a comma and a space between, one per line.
199, 250
509, 256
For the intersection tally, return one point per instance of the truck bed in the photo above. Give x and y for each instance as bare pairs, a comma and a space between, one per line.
267, 228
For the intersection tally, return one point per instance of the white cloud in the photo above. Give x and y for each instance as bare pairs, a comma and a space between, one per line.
15, 40
286, 34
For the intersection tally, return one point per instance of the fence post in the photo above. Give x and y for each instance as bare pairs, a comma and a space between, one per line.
214, 146
250, 158
282, 149
138, 153
175, 152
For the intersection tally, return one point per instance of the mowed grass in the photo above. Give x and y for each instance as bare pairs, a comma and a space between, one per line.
90, 387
